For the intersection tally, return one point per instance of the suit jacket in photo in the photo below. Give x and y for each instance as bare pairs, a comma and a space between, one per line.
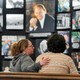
49, 25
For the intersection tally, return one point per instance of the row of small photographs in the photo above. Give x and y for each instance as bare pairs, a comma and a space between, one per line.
39, 44
64, 5
61, 18
18, 24
7, 40
12, 24
49, 4
75, 38
63, 21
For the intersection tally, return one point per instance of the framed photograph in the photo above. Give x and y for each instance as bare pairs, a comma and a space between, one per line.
75, 39
14, 21
1, 6
76, 4
42, 23
67, 38
1, 23
63, 5
76, 20
63, 21
1, 15
7, 40
11, 4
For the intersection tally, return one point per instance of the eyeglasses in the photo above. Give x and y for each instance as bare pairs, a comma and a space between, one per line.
31, 46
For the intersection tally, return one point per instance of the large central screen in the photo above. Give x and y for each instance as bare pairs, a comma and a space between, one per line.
40, 19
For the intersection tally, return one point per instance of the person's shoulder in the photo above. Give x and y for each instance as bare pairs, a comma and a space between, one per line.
66, 56
23, 56
41, 55
49, 16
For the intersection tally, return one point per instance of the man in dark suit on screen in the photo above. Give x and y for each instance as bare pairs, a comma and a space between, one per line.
41, 22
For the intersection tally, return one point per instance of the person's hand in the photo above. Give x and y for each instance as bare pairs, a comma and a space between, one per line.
44, 61
33, 22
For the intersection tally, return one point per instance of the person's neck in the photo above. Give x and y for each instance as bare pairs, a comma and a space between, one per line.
25, 53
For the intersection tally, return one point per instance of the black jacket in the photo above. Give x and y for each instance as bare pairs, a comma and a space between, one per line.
49, 25
23, 63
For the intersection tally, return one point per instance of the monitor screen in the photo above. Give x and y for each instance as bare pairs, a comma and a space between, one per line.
40, 16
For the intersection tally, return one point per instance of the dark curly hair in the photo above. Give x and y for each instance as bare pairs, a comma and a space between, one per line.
56, 43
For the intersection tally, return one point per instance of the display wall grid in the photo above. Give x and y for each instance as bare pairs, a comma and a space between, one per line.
73, 52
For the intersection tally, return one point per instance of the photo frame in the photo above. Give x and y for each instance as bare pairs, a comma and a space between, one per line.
63, 21
14, 4
63, 5
50, 6
1, 15
14, 21
75, 39
76, 4
76, 20
6, 43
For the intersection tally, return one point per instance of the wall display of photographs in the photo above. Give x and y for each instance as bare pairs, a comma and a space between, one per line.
14, 21
1, 15
50, 7
76, 20
6, 43
63, 5
76, 58
67, 38
63, 21
75, 39
14, 4
76, 4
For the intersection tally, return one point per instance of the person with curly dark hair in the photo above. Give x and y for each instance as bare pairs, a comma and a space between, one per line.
59, 62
